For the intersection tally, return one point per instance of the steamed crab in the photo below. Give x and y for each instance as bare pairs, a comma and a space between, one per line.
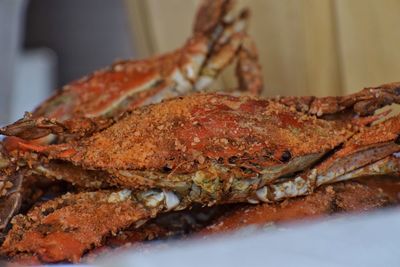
97, 101
219, 37
203, 148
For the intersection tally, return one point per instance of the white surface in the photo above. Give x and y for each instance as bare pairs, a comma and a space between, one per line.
369, 240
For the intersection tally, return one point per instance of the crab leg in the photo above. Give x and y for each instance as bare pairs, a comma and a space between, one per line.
226, 48
366, 147
387, 166
365, 153
248, 69
90, 180
362, 103
209, 14
304, 185
33, 128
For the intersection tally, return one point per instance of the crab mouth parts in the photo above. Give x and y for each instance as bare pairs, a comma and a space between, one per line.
217, 182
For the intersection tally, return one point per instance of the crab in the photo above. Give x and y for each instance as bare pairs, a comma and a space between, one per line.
219, 37
98, 100
203, 149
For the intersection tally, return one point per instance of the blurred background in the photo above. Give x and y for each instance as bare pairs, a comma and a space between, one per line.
307, 47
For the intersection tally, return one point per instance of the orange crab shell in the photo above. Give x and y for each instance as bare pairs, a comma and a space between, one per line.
185, 132
100, 92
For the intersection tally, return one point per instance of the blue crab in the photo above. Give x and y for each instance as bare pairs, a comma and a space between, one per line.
207, 149
98, 100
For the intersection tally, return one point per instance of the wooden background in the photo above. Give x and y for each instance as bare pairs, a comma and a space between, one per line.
307, 47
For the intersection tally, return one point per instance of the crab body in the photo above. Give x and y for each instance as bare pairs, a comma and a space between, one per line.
219, 144
213, 148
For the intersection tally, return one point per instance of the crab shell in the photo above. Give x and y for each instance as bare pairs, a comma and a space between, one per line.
213, 140
195, 130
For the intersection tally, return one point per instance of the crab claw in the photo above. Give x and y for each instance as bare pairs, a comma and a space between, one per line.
368, 120
209, 15
61, 151
373, 98
233, 43
30, 128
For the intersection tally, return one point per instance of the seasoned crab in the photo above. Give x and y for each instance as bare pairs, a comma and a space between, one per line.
219, 36
204, 148
96, 101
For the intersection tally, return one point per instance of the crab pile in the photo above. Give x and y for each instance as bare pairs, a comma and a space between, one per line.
133, 168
